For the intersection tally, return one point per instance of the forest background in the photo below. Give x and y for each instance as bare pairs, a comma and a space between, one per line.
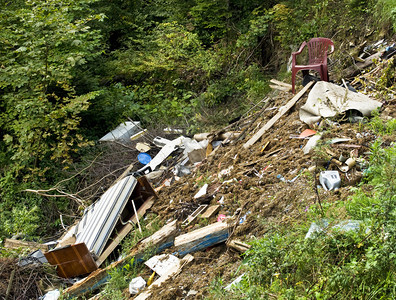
72, 70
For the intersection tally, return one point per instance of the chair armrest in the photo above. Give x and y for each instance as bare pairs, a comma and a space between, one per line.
331, 49
300, 50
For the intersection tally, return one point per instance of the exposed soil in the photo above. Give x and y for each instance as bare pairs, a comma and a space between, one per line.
251, 194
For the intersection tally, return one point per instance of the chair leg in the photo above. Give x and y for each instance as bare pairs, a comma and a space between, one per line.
293, 80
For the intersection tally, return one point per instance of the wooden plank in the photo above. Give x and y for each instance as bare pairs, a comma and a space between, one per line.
99, 277
15, 244
210, 211
238, 245
72, 261
169, 273
280, 88
275, 118
191, 218
281, 83
125, 230
201, 238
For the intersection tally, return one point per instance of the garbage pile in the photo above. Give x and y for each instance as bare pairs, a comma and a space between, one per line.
216, 191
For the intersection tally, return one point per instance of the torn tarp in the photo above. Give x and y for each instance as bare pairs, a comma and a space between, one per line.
327, 100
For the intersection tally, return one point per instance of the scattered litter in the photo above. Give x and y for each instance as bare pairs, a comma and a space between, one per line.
160, 141
181, 170
307, 133
136, 285
327, 100
194, 215
320, 226
51, 295
339, 140
202, 191
221, 218
238, 245
234, 283
143, 147
243, 218
312, 142
144, 158
330, 180
225, 172
191, 293
349, 164
161, 263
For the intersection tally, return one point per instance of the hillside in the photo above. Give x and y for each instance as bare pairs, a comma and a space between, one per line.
201, 68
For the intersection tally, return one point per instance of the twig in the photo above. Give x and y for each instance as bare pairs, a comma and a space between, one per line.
9, 287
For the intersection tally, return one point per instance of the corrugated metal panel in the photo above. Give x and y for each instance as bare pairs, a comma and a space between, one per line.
105, 215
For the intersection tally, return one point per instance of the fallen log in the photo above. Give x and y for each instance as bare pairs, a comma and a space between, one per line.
15, 244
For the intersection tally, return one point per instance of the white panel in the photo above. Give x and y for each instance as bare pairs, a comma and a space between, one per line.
101, 222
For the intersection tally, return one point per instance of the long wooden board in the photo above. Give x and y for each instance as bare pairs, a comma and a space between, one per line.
201, 238
15, 244
275, 118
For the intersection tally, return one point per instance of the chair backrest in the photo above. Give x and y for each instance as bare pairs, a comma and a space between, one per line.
317, 50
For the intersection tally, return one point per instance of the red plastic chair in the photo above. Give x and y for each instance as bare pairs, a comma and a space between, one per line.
317, 53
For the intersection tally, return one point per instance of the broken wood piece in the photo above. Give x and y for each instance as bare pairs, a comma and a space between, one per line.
158, 240
125, 230
280, 88
194, 215
275, 118
238, 245
281, 83
358, 67
201, 238
173, 271
210, 211
346, 146
15, 244
273, 152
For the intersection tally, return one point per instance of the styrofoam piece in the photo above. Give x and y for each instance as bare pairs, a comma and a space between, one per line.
330, 180
51, 295
136, 285
160, 264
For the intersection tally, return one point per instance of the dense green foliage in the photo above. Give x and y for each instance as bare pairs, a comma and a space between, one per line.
71, 70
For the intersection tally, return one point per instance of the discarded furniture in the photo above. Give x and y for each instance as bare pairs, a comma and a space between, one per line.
107, 222
317, 58
72, 260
